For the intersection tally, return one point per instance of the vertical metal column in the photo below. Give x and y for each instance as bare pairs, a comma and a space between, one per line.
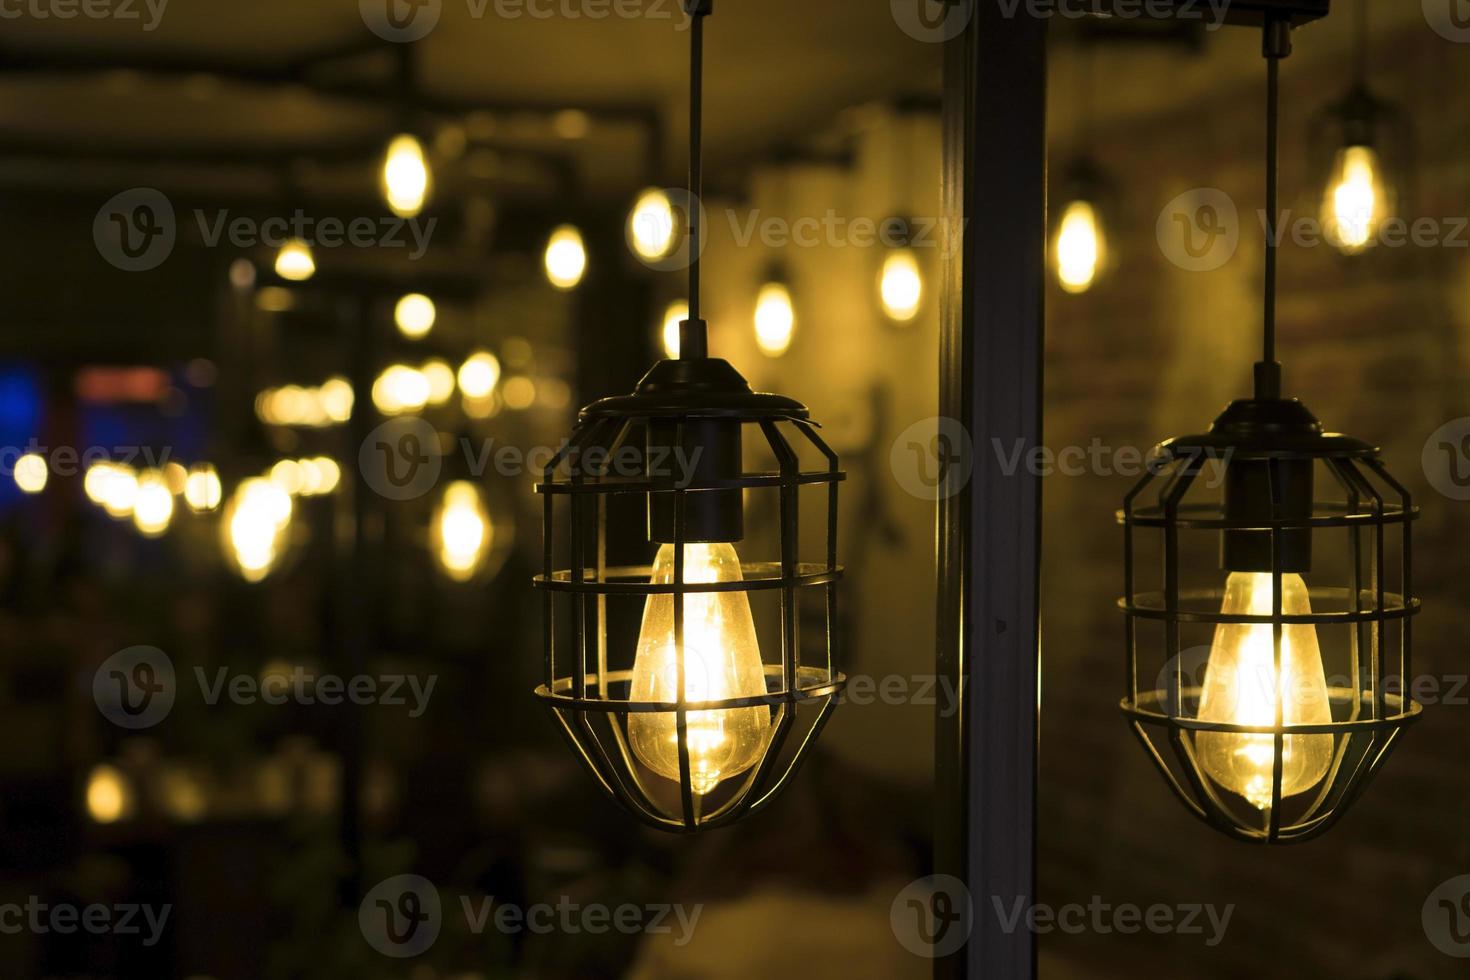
994, 189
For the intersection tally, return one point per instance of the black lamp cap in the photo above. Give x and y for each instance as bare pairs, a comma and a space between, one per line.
705, 387
1264, 428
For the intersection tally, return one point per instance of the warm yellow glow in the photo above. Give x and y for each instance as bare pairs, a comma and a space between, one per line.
462, 531
256, 523
176, 475
415, 315
114, 486
405, 180
677, 313
519, 392
775, 319
109, 797
153, 506
329, 474
1356, 201
336, 397
566, 257
1241, 688
901, 287
400, 389
651, 224
295, 262
202, 491
441, 381
287, 475
1078, 252
31, 473
721, 660
479, 375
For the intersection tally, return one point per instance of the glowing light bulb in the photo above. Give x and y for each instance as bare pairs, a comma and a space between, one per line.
901, 285
441, 381
119, 489
775, 319
1079, 248
109, 797
295, 262
405, 180
255, 526
202, 491
31, 473
651, 225
677, 313
1356, 201
415, 314
479, 375
462, 531
400, 389
335, 397
721, 660
153, 505
1241, 687
566, 258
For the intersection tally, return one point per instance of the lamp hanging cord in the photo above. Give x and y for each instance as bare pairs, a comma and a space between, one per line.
1276, 44
693, 334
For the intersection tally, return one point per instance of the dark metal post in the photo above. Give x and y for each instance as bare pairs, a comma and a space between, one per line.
989, 531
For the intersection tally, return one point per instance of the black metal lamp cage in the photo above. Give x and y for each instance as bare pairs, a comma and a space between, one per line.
618, 488
1251, 743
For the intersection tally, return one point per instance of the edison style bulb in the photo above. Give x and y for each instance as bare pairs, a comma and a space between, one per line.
405, 179
901, 285
1241, 688
721, 660
1356, 201
1079, 247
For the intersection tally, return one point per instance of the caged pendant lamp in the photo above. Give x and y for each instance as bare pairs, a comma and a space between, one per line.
690, 663
1268, 601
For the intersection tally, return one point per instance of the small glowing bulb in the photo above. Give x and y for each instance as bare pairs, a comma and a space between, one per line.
775, 319
153, 506
441, 381
1241, 688
119, 490
651, 225
566, 258
677, 313
1356, 201
109, 797
329, 474
295, 262
405, 180
202, 491
287, 475
400, 389
462, 531
479, 375
31, 473
901, 286
255, 526
415, 315
1079, 247
336, 399
721, 660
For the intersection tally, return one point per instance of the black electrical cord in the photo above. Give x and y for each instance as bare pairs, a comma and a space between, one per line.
693, 333
1275, 45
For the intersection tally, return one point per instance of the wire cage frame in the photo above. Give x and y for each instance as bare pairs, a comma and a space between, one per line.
1373, 610
592, 703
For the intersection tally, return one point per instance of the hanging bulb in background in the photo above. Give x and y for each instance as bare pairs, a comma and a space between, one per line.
676, 313
295, 262
565, 258
775, 319
651, 225
202, 491
414, 314
256, 524
901, 285
721, 660
405, 180
1241, 687
462, 532
1080, 247
153, 505
1356, 201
